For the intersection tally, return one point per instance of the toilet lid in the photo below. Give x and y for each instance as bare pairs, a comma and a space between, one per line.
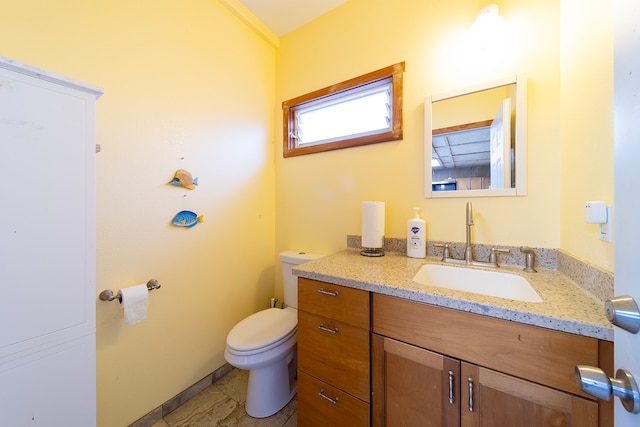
262, 329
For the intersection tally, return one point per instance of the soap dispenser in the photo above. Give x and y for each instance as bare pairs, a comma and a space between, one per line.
416, 236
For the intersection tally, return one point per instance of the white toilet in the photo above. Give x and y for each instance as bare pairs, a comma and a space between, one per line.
265, 345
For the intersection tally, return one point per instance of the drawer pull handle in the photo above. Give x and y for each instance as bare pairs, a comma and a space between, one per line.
324, 328
470, 394
324, 396
331, 294
451, 398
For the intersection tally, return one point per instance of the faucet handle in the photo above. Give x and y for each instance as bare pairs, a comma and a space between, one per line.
529, 259
493, 258
445, 250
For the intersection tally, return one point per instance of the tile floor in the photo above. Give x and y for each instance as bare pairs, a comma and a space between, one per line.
222, 405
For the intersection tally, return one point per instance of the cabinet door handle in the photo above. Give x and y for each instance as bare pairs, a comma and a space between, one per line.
331, 294
335, 400
470, 380
451, 398
324, 328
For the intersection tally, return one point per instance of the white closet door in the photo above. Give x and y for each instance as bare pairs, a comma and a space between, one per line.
47, 248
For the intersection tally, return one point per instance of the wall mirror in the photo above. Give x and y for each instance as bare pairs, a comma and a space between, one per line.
476, 140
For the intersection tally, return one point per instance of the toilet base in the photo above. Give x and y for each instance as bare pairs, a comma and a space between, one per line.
271, 388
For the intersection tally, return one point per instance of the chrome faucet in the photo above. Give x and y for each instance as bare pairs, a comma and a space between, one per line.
468, 257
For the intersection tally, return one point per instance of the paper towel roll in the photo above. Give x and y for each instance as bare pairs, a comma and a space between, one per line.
372, 224
135, 301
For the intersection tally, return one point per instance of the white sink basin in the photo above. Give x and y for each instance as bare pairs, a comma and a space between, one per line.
491, 283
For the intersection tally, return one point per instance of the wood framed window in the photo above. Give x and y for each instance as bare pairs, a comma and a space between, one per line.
360, 111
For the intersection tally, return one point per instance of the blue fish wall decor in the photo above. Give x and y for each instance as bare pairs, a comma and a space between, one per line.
187, 219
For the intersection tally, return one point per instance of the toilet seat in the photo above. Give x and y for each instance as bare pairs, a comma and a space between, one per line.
262, 331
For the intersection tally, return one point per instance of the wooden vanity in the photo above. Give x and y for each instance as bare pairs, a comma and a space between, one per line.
438, 366
333, 355
365, 358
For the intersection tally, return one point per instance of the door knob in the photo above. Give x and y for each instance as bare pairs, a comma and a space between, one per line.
595, 382
623, 312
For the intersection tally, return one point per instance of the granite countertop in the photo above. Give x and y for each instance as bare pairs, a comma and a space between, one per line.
566, 307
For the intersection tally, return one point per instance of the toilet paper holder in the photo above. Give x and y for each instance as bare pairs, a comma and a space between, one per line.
107, 295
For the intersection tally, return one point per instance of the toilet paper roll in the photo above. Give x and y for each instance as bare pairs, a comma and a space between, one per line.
372, 224
135, 301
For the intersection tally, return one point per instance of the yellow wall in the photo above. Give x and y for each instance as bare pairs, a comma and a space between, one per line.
470, 108
318, 197
587, 125
187, 85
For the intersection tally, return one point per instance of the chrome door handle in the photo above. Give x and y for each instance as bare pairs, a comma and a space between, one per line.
324, 396
623, 312
324, 328
594, 381
451, 397
470, 380
331, 294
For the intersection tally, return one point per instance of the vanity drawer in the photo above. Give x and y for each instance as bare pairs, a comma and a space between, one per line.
335, 352
333, 301
537, 354
315, 408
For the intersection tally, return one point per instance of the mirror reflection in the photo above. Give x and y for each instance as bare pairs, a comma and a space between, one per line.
477, 141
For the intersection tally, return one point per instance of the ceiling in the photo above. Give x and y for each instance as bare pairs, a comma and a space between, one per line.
462, 149
284, 16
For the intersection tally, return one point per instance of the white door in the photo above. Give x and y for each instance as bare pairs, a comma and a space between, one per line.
627, 177
47, 248
500, 143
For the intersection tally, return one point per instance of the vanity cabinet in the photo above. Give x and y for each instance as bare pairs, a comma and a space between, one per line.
333, 355
442, 367
413, 386
490, 398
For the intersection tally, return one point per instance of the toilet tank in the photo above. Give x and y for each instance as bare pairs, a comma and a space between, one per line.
290, 259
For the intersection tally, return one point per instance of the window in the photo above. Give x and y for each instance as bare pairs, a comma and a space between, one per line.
361, 111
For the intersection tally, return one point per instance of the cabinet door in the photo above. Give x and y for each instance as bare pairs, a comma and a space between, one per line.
490, 398
47, 249
334, 352
322, 405
413, 386
333, 301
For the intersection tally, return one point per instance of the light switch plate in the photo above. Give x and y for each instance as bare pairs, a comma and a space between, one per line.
606, 229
